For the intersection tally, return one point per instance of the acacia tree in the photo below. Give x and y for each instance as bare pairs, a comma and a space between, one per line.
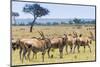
36, 11
77, 21
15, 14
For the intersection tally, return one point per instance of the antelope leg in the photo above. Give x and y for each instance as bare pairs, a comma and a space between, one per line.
71, 48
20, 53
67, 49
24, 53
49, 52
84, 48
89, 47
43, 53
74, 48
78, 48
61, 52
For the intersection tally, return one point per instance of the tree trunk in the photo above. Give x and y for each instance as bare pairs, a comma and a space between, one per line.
32, 24
14, 20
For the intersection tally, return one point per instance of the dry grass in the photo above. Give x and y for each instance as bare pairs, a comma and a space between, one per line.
51, 31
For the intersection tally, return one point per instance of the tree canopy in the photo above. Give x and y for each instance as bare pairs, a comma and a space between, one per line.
36, 10
77, 21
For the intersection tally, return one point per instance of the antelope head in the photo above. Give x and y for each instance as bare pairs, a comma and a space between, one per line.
75, 34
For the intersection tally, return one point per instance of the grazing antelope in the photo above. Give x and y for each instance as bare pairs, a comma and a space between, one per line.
59, 43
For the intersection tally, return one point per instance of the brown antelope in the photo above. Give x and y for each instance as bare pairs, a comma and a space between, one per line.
82, 41
59, 43
36, 45
71, 41
45, 43
18, 44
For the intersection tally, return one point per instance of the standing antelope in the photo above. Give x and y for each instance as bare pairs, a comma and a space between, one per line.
71, 41
82, 41
36, 45
59, 43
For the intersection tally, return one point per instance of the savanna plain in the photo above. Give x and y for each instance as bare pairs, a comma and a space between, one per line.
19, 32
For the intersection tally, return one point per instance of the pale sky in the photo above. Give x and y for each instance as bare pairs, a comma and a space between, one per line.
57, 10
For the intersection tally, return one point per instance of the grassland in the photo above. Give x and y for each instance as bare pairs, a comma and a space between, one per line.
19, 32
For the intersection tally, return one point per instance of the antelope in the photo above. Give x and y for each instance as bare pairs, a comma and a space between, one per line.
19, 45
36, 45
82, 41
58, 43
71, 41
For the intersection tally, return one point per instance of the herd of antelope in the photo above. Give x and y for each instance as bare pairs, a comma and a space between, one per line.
45, 44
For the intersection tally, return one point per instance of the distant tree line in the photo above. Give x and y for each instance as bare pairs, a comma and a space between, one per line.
81, 21
74, 21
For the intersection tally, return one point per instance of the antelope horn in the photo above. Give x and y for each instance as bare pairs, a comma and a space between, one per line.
40, 33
